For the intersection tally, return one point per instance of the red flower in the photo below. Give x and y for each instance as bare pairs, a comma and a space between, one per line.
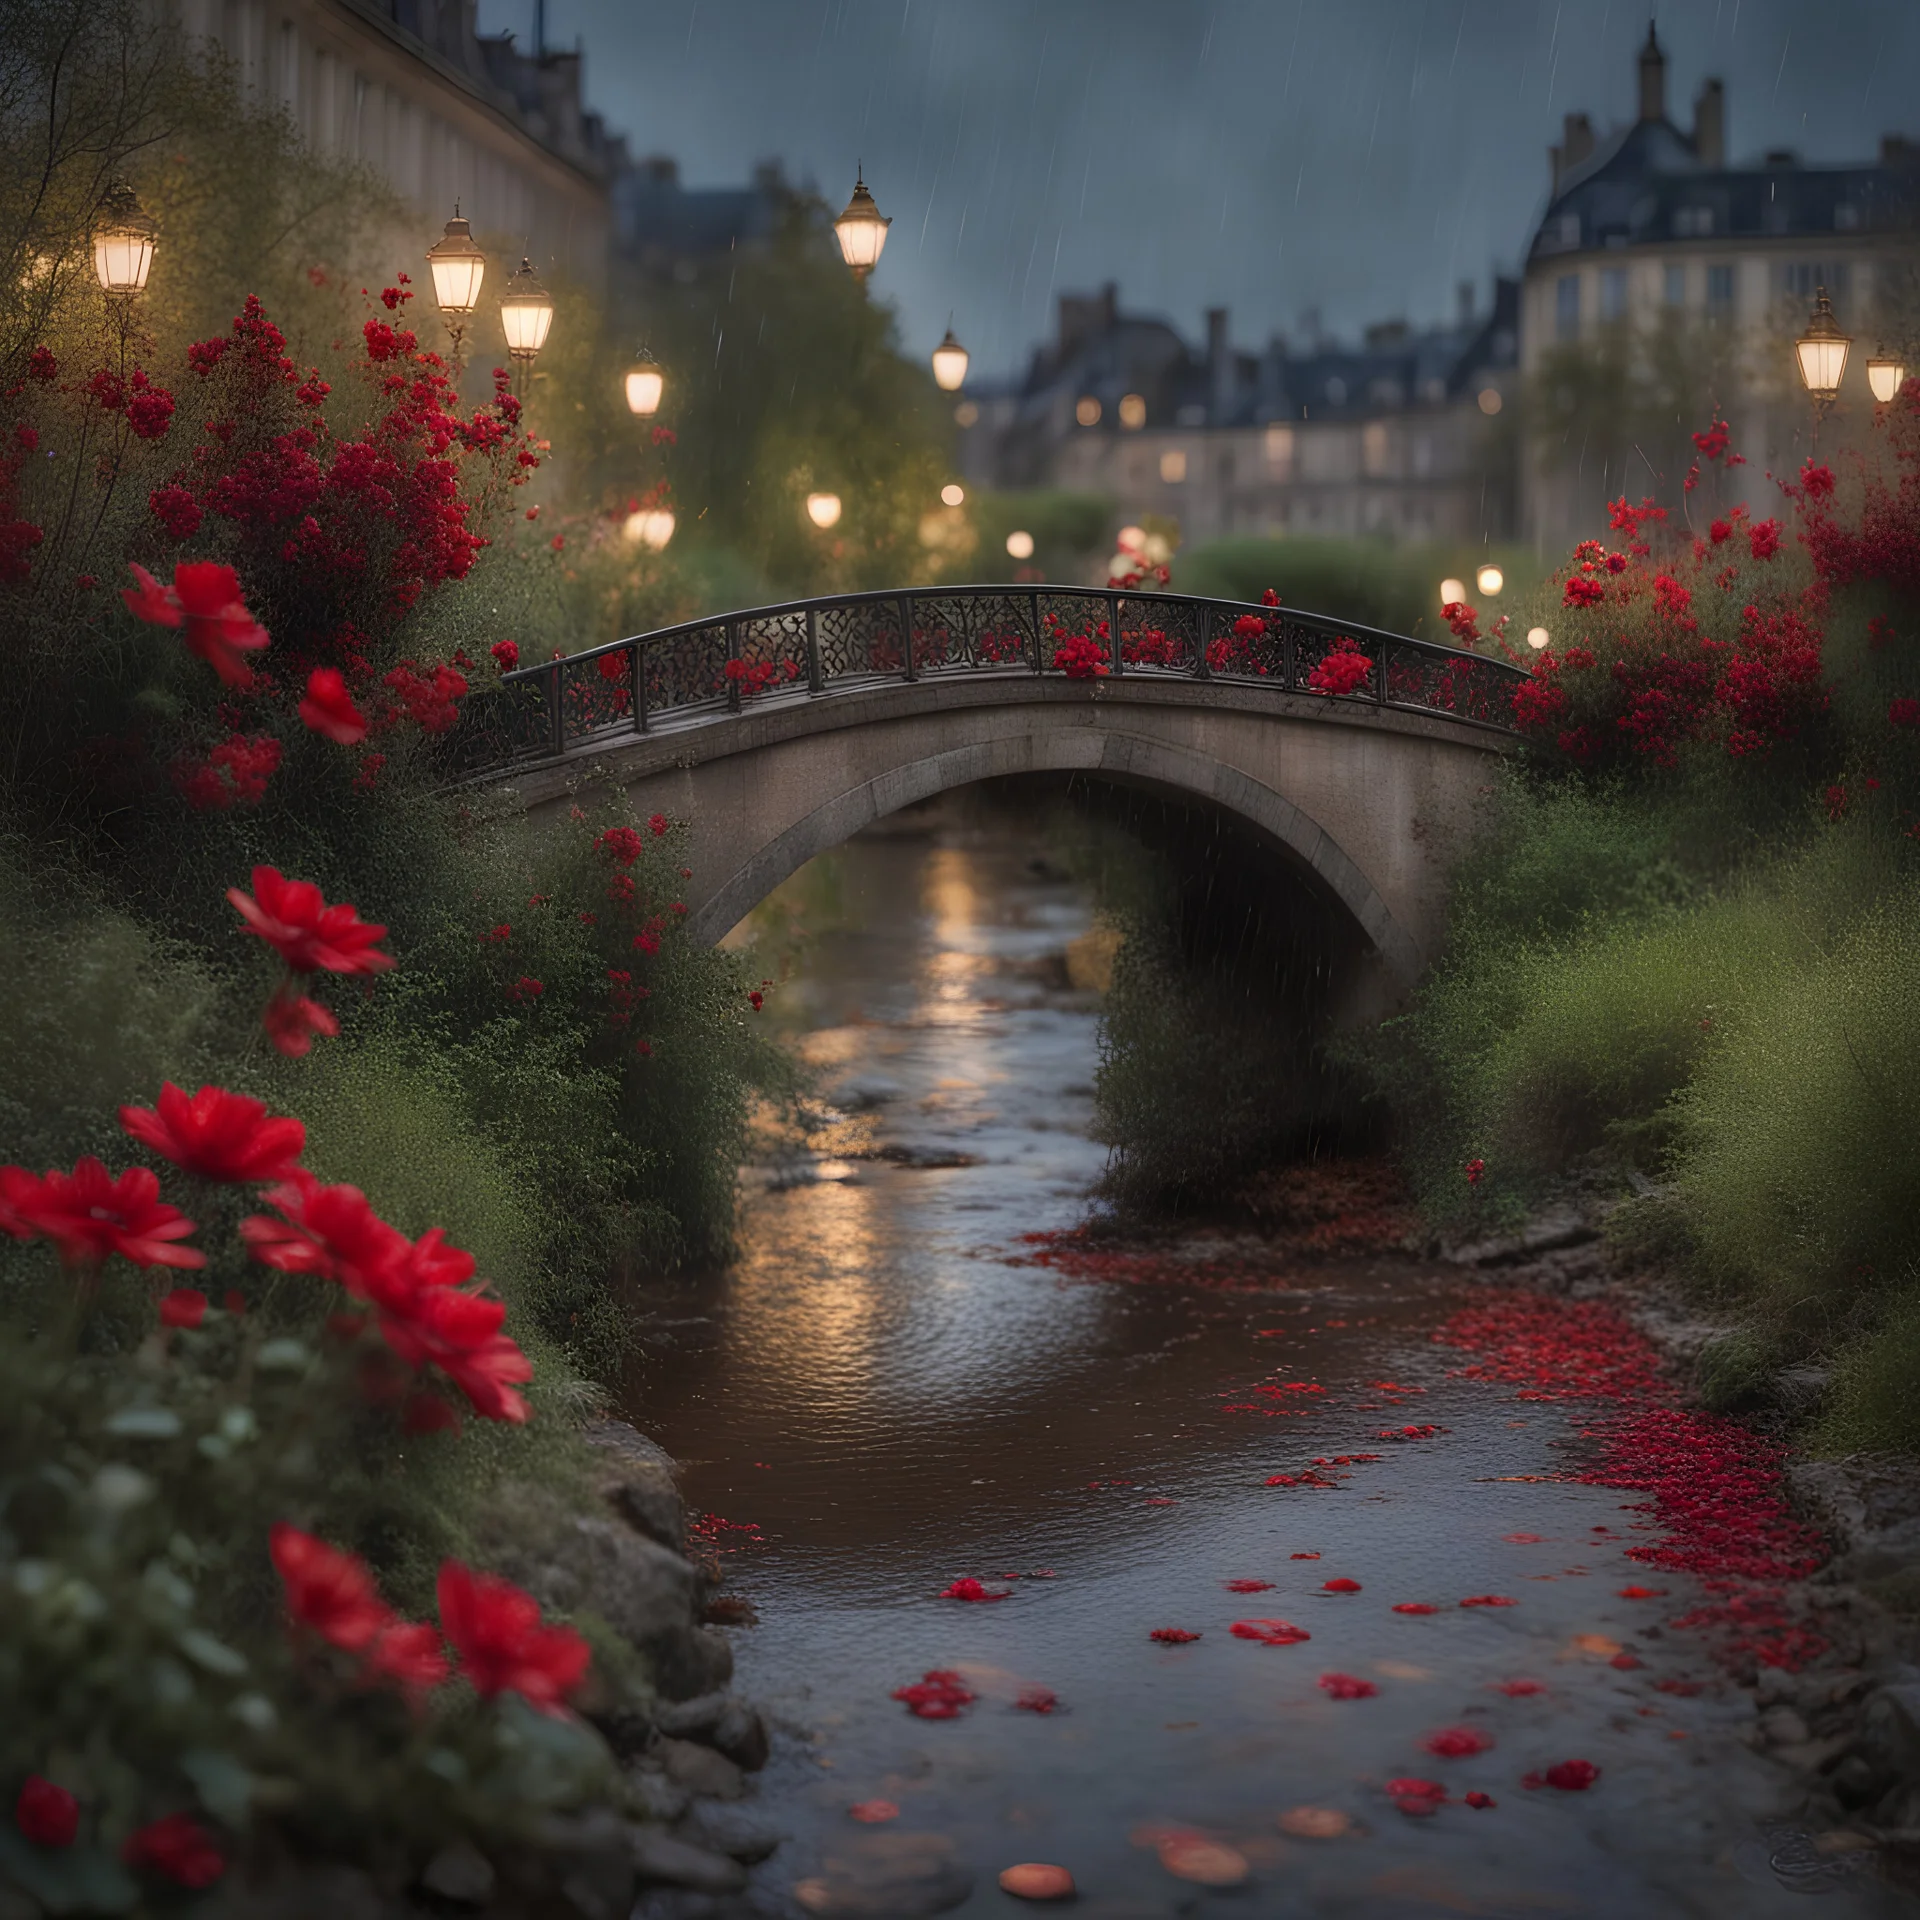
329, 709
1343, 670
1463, 619
506, 654
1456, 1743
176, 510
1764, 539
1038, 1700
1818, 480
328, 1590
1582, 592
47, 1815
1341, 1586
1344, 1686
1249, 1586
183, 1307
502, 1645
526, 988
177, 1848
91, 1213
1570, 1776
1481, 1800
1642, 1593
1173, 1636
1269, 1633
1489, 1600
1418, 1799
410, 1655
756, 999
972, 1589
620, 844
1081, 657
1519, 1689
1414, 1606
331, 1231
218, 1135
1904, 712
1474, 1170
205, 599
939, 1694
291, 1021
459, 1332
297, 923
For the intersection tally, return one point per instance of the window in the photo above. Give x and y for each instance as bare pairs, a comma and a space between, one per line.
1280, 451
1374, 448
1675, 286
1566, 306
1613, 293
1846, 217
1569, 229
1692, 223
1803, 278
1224, 466
1720, 290
1173, 466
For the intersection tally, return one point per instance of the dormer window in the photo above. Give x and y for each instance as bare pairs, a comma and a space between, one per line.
1569, 229
1693, 223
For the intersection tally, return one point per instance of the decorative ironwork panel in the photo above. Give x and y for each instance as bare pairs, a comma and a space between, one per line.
860, 637
1464, 685
1326, 661
1068, 615
596, 692
772, 653
998, 626
497, 726
687, 669
1163, 636
942, 625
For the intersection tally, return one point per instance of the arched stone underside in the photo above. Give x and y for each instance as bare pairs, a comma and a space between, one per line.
1370, 802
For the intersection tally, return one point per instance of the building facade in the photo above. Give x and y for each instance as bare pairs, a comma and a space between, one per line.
1396, 436
1651, 243
442, 113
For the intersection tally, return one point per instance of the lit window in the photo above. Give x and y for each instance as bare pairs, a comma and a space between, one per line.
1676, 286
1280, 450
1087, 410
1173, 466
1566, 306
1133, 411
1490, 401
1613, 293
1720, 290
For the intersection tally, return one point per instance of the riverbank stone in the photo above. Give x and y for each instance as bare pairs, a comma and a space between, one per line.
689, 1662
700, 1769
460, 1873
662, 1860
731, 1830
887, 1876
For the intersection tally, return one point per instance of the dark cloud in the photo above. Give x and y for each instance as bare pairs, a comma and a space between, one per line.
1355, 156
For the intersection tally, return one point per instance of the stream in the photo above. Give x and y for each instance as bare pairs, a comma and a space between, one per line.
886, 1395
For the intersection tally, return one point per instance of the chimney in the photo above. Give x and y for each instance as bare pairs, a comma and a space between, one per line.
1653, 78
1710, 124
1219, 366
1576, 145
1465, 295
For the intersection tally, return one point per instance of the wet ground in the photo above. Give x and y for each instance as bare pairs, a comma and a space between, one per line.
887, 1396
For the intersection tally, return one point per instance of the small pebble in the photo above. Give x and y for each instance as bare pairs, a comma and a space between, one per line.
1207, 1863
1314, 1823
1032, 1880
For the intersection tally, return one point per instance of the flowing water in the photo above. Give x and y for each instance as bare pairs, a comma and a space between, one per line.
884, 1395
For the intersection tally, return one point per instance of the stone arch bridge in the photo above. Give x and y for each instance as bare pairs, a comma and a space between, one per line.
779, 732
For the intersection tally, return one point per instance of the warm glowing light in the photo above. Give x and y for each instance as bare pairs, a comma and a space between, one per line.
861, 231
1886, 377
458, 268
526, 312
1537, 637
1133, 411
1173, 466
1490, 579
949, 364
123, 242
952, 495
966, 414
1822, 350
1020, 544
646, 383
1452, 591
651, 530
823, 509
1490, 402
1130, 539
1087, 410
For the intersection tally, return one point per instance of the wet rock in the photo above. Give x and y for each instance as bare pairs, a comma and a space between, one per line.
585, 1857
661, 1860
730, 1830
700, 1770
742, 1736
460, 1873
690, 1662
1782, 1727
640, 1588
655, 1796
312, 1892
1890, 1730
637, 1478
887, 1876
1563, 1225
692, 1719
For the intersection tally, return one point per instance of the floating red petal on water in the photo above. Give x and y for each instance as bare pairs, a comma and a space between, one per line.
872, 1812
1303, 1556
940, 1694
1643, 1593
1523, 1539
1248, 1586
1347, 1686
1626, 1662
1414, 1606
1518, 1689
1172, 1636
1456, 1743
1686, 1689
970, 1589
1570, 1776
1481, 1800
1269, 1633
1340, 1586
1037, 1700
1418, 1799
1489, 1600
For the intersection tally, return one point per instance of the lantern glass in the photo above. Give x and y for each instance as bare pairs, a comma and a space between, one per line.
1490, 579
1822, 350
458, 268
861, 231
645, 386
526, 312
123, 242
1452, 592
823, 509
949, 364
1886, 378
651, 530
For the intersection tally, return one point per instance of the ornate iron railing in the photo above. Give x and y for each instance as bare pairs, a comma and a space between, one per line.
806, 648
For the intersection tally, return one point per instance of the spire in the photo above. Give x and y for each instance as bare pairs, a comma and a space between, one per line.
1653, 78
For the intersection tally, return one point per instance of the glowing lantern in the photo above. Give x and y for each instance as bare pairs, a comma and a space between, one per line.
123, 242
1490, 579
651, 530
823, 509
458, 267
1886, 377
861, 231
526, 313
1537, 638
1452, 591
1822, 350
645, 385
949, 364
1020, 544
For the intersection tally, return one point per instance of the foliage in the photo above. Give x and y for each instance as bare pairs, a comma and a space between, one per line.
1070, 531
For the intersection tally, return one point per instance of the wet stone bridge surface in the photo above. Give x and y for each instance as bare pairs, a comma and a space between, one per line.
780, 732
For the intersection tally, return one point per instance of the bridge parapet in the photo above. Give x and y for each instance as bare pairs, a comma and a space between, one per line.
710, 668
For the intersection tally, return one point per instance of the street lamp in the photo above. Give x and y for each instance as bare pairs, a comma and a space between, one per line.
458, 268
861, 230
949, 363
645, 384
1490, 579
526, 312
123, 242
1452, 591
823, 509
1822, 351
651, 528
1886, 376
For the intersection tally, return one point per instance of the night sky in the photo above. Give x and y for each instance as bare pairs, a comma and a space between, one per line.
1358, 157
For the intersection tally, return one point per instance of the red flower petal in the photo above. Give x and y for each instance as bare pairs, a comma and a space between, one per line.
1489, 1600
1269, 1633
1414, 1606
1345, 1686
1481, 1800
1248, 1586
1172, 1636
1341, 1586
1456, 1743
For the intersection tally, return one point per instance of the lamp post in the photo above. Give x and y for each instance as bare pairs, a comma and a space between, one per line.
949, 363
1822, 354
646, 383
526, 312
861, 230
458, 268
123, 240
1886, 376
823, 509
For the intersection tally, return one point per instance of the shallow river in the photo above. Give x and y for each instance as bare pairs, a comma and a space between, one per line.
881, 1398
